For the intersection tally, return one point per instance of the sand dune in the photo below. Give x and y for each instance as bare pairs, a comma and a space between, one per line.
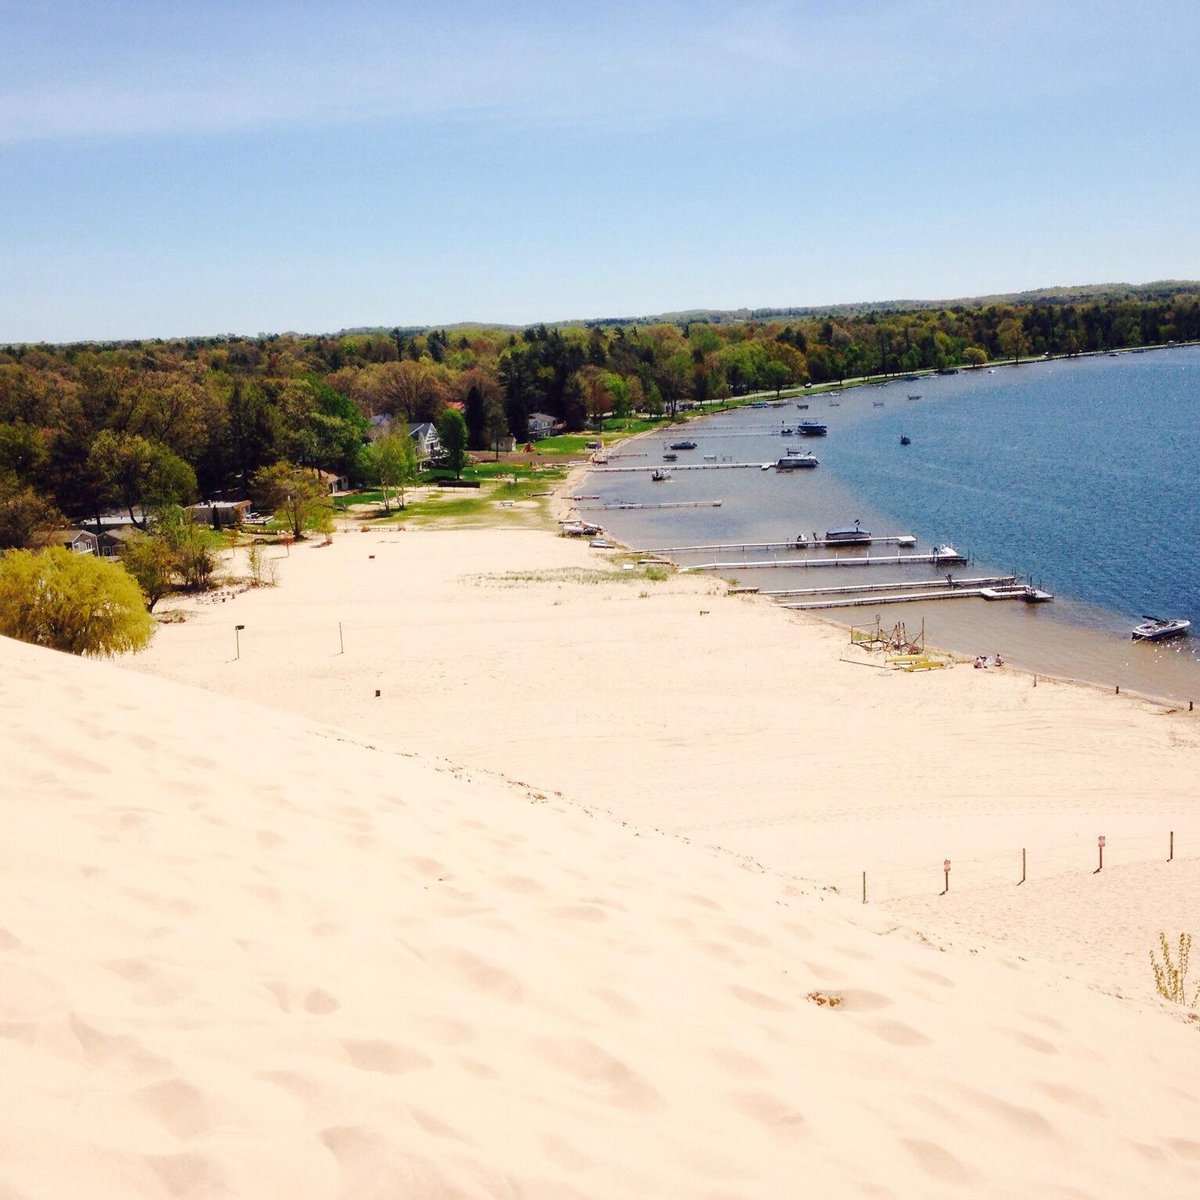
736, 724
250, 953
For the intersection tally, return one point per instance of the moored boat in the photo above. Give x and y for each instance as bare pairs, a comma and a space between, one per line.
810, 428
796, 460
856, 536
659, 475
1158, 629
686, 444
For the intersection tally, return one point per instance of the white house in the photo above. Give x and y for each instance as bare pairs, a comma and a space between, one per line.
426, 442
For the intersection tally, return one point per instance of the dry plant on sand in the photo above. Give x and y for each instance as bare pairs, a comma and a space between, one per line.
1170, 976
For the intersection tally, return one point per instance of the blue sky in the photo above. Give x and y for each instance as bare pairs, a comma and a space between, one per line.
175, 168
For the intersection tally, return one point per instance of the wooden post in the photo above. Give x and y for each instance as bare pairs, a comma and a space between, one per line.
1171, 855
946, 875
1022, 866
864, 887
1101, 866
237, 641
341, 641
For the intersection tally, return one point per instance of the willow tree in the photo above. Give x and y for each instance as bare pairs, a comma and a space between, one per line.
73, 602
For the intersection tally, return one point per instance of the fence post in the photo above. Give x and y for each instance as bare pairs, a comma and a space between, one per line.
1171, 855
1022, 866
946, 874
864, 887
1101, 866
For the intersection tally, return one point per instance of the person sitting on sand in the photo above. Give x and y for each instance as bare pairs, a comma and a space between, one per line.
998, 661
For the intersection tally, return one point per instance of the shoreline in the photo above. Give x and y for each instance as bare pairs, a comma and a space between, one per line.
1069, 646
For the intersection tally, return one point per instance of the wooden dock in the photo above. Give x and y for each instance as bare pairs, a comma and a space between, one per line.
879, 560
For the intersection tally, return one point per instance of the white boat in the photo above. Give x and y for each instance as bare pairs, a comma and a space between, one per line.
580, 529
659, 475
1158, 629
947, 554
796, 459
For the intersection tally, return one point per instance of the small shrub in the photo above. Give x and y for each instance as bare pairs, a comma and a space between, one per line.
1170, 976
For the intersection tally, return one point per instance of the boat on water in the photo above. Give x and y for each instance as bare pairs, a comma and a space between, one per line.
684, 445
915, 396
947, 554
1159, 629
795, 460
905, 440
848, 537
659, 475
876, 403
810, 428
670, 457
802, 406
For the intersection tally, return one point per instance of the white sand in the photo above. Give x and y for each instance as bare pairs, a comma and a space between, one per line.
280, 949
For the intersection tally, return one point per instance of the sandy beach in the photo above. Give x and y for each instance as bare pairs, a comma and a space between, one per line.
475, 866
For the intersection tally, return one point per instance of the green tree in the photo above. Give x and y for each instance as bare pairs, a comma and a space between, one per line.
26, 518
72, 602
452, 433
295, 494
139, 473
152, 561
392, 462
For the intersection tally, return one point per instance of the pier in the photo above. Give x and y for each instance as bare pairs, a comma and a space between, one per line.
678, 466
894, 560
661, 504
1016, 591
891, 539
983, 581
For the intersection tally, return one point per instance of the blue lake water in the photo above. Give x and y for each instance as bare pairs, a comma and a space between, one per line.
1081, 474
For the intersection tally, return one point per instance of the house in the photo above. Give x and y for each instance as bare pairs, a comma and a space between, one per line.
108, 543
426, 442
541, 425
220, 514
334, 483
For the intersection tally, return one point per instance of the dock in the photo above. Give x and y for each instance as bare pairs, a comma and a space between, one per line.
891, 560
1018, 591
994, 582
663, 504
678, 466
888, 539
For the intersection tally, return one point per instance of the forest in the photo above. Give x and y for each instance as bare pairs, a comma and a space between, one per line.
87, 427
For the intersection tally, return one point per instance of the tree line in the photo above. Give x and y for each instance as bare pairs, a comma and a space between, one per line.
145, 424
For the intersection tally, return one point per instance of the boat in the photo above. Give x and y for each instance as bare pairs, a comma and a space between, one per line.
1158, 629
915, 396
670, 457
796, 459
876, 403
658, 475
787, 431
905, 440
802, 406
580, 529
856, 536
710, 458
684, 445
810, 428
601, 543
947, 553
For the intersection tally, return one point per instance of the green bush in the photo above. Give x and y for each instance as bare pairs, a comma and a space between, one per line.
72, 602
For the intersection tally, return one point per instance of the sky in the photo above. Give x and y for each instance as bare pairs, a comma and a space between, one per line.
169, 168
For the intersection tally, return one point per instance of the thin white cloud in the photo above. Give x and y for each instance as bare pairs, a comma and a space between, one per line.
135, 69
